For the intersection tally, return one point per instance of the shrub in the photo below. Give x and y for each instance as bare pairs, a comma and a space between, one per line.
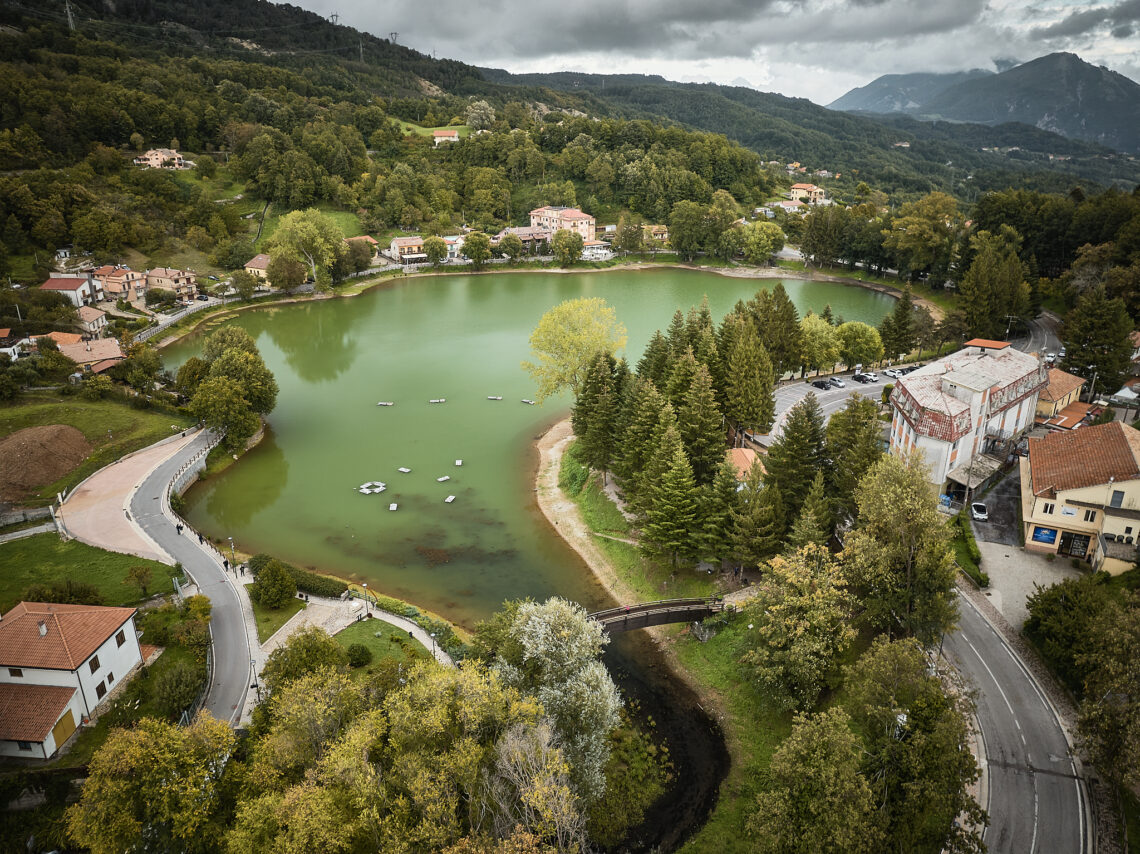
306, 582
274, 586
64, 592
359, 655
175, 689
1059, 623
194, 635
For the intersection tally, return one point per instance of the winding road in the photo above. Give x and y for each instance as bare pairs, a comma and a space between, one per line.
1035, 796
232, 676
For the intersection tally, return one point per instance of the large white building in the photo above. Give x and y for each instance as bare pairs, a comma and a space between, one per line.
555, 217
58, 663
958, 409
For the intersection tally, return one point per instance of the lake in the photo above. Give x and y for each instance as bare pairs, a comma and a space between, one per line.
460, 338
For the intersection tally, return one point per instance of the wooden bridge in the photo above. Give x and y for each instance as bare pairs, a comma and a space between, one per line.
626, 618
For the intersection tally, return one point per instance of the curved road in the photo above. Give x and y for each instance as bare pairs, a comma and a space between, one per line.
1036, 799
225, 697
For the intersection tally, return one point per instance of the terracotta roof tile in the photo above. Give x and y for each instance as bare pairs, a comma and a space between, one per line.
1061, 384
258, 262
87, 314
61, 338
64, 283
742, 459
1084, 457
74, 632
986, 343
28, 712
89, 352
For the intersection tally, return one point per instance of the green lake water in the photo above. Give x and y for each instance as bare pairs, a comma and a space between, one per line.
456, 337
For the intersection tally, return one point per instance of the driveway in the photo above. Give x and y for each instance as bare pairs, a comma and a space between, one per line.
1002, 502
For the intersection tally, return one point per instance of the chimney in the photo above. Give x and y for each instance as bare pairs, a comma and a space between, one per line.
43, 628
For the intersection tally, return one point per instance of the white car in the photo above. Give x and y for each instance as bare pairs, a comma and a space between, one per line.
836, 382
871, 376
893, 373
979, 512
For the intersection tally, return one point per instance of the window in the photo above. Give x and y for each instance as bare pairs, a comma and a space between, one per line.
1090, 515
120, 638
1117, 498
100, 690
94, 664
110, 678
24, 745
1047, 508
1128, 530
15, 672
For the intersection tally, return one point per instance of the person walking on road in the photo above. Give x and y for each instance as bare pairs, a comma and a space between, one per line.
178, 528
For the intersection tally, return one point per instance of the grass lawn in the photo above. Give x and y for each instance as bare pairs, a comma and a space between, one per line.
113, 428
419, 130
753, 730
385, 641
347, 221
45, 559
269, 620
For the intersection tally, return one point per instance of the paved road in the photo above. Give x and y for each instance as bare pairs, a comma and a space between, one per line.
1003, 503
1043, 336
1036, 800
830, 400
225, 698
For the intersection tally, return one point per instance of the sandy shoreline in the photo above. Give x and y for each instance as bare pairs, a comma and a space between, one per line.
566, 521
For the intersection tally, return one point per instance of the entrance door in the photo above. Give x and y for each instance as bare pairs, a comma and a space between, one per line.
63, 729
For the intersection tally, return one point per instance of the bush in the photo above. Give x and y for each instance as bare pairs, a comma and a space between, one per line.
65, 592
1059, 623
306, 582
194, 635
274, 586
359, 655
175, 689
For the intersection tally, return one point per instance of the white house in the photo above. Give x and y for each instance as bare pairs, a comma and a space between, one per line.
92, 320
80, 290
596, 250
58, 663
959, 408
454, 244
554, 217
445, 135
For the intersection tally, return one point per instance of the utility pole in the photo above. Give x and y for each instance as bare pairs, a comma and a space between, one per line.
334, 17
360, 44
70, 16
392, 37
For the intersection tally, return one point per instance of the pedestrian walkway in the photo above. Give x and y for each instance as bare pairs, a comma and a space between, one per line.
1015, 574
96, 511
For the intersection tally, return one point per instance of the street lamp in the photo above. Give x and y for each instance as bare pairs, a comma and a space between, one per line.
367, 608
433, 644
233, 560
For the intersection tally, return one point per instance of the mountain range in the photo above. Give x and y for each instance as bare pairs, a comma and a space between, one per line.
1060, 93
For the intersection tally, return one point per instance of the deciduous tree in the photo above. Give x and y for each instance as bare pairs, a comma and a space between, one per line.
567, 339
567, 247
310, 237
477, 247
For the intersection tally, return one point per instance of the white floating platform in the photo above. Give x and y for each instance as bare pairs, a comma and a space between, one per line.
494, 397
442, 479
403, 469
459, 462
393, 506
449, 499
528, 401
385, 403
438, 400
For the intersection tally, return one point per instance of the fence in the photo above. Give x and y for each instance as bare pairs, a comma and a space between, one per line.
199, 701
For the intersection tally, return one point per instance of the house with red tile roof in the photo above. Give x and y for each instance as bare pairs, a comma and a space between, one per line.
555, 217
1060, 401
1080, 495
79, 290
258, 265
959, 409
92, 354
92, 320
809, 193
445, 135
182, 282
371, 242
58, 665
121, 282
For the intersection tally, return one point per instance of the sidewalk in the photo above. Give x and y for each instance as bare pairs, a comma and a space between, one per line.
96, 511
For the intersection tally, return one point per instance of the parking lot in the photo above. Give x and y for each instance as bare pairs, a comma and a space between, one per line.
831, 400
1002, 502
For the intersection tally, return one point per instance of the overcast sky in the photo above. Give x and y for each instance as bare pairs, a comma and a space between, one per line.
816, 49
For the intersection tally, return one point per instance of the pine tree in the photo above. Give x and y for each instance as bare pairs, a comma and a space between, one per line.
708, 355
599, 375
748, 396
599, 441
1096, 338
721, 504
758, 532
637, 438
729, 331
828, 316
798, 453
672, 515
658, 456
901, 326
684, 369
819, 505
853, 446
702, 427
656, 362
676, 336
778, 324
806, 530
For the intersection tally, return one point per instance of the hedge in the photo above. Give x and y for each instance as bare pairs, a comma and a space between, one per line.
307, 582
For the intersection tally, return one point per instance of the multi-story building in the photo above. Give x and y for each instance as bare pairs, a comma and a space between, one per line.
957, 409
407, 250
257, 266
58, 664
1059, 405
161, 158
1080, 495
121, 282
92, 320
182, 282
79, 290
809, 193
553, 218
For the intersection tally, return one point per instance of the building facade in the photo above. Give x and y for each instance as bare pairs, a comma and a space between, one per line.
121, 282
58, 664
182, 282
1080, 495
257, 266
552, 218
79, 290
958, 409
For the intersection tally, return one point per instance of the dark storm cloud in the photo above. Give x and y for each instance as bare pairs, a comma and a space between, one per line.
1118, 18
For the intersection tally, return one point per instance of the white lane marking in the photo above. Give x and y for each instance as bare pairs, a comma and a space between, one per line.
994, 678
1033, 844
1081, 811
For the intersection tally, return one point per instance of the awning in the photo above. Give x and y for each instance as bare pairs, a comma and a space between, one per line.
975, 473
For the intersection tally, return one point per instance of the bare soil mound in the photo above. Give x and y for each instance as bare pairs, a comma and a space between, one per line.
36, 456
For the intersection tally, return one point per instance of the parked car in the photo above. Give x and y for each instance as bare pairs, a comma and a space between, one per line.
979, 512
836, 382
203, 298
862, 378
823, 384
871, 377
894, 373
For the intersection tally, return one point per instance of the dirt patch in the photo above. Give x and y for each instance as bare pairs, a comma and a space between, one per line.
36, 456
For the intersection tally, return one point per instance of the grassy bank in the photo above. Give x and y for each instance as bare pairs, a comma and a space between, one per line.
269, 620
384, 641
45, 559
114, 429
